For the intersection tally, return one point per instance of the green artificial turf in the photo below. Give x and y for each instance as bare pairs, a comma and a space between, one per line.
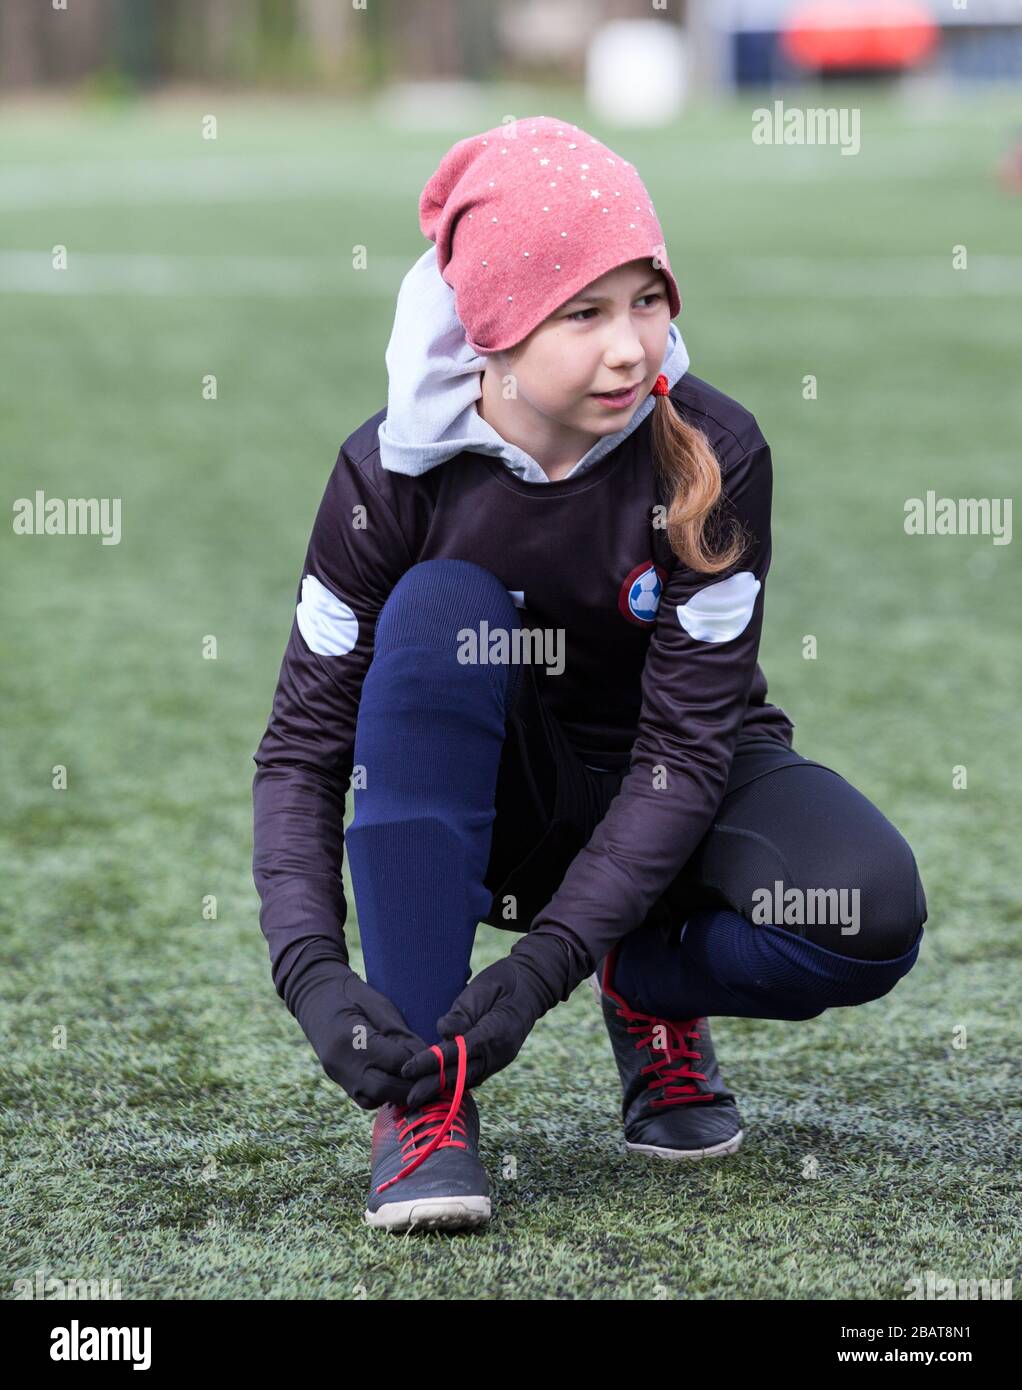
185, 1140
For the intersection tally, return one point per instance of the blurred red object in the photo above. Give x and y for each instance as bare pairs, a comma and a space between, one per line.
868, 34
1009, 169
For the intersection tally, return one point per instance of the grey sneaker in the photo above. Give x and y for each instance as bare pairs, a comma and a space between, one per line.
674, 1101
449, 1189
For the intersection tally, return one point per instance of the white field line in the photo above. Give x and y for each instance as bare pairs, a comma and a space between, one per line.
90, 272
901, 277
274, 178
216, 179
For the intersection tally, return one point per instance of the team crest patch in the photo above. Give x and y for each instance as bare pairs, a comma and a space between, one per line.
640, 593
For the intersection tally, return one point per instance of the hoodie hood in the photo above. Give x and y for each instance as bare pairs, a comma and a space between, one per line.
434, 383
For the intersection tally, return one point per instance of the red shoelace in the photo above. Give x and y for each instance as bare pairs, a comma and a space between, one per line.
430, 1121
670, 1073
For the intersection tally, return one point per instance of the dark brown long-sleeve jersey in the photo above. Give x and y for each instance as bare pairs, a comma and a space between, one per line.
660, 670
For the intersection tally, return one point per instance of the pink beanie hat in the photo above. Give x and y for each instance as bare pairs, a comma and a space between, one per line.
525, 216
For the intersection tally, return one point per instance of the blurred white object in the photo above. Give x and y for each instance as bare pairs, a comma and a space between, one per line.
536, 31
637, 72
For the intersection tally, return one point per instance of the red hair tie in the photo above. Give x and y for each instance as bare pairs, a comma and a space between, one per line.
660, 387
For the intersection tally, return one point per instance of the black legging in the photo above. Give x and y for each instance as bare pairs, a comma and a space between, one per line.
783, 817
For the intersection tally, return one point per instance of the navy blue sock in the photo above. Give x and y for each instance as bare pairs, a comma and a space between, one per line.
721, 964
429, 735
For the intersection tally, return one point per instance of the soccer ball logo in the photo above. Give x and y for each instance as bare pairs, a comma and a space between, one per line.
640, 594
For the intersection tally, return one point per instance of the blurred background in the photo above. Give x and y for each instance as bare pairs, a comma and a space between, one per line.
363, 47
206, 210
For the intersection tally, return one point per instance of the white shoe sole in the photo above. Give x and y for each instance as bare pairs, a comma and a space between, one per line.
729, 1146
431, 1214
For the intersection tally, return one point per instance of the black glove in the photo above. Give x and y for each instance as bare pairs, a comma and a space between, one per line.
496, 1012
359, 1036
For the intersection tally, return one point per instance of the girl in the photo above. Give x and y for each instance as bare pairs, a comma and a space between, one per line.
526, 637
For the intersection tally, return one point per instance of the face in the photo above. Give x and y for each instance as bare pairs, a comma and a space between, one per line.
613, 334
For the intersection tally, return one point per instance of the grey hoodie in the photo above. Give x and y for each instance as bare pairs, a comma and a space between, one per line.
434, 383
